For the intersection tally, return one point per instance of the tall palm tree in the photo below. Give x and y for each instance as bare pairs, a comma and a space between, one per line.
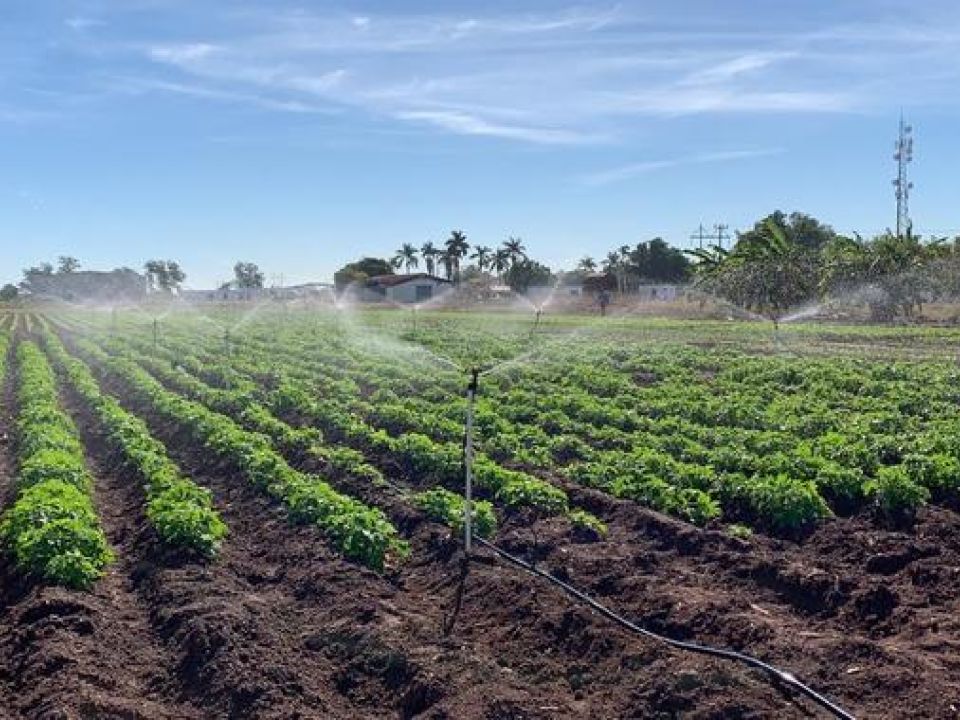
514, 246
448, 260
430, 255
406, 257
587, 264
481, 253
457, 248
500, 262
613, 264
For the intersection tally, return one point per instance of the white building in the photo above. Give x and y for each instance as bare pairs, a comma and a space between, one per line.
413, 288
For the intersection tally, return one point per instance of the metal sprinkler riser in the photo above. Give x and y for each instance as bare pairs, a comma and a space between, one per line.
472, 389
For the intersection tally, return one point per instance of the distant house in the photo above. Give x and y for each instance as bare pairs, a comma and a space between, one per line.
659, 293
413, 288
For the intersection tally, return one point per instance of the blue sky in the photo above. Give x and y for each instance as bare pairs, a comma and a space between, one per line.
299, 135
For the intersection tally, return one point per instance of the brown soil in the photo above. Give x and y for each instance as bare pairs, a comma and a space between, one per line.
279, 627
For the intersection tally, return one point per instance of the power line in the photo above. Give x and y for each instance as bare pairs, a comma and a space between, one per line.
721, 234
718, 235
699, 234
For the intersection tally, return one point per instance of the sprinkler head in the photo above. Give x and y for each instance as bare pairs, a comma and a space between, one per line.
474, 384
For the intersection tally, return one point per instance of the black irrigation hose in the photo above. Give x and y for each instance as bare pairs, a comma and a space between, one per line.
776, 673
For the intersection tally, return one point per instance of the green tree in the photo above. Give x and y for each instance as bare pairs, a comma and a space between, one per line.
765, 272
587, 264
164, 275
891, 274
8, 293
361, 270
67, 264
430, 255
527, 273
515, 249
500, 262
481, 253
798, 229
247, 275
406, 257
457, 248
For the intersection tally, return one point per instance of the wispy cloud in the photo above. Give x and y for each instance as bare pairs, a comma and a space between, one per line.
627, 172
141, 85
560, 77
733, 68
79, 23
466, 124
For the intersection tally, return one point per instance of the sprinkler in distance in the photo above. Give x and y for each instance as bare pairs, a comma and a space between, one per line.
472, 389
156, 332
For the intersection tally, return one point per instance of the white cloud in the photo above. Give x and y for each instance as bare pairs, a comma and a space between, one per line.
83, 23
733, 68
626, 172
183, 54
672, 101
466, 124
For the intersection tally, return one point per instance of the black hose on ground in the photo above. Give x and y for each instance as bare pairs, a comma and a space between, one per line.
776, 673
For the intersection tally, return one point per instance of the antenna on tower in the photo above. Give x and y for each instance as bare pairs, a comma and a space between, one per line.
903, 154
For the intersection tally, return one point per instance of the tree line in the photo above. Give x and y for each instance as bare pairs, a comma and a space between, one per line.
159, 276
784, 262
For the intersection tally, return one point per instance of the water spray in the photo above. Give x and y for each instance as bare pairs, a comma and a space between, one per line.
226, 342
536, 321
472, 389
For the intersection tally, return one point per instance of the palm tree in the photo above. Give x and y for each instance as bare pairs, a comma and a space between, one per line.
480, 254
500, 262
457, 248
430, 255
514, 246
587, 264
406, 257
613, 264
448, 260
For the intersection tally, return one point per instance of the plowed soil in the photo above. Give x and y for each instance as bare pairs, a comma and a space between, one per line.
280, 627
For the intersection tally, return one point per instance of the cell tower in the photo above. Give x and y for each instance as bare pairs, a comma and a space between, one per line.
903, 155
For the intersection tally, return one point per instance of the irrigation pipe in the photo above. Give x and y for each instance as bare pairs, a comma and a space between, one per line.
776, 673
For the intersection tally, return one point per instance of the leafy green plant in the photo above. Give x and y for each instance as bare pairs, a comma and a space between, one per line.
450, 508
786, 504
896, 495
587, 523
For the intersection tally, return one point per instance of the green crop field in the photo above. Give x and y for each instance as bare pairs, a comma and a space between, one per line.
349, 426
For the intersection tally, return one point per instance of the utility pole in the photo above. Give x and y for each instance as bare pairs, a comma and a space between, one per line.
903, 155
699, 234
721, 234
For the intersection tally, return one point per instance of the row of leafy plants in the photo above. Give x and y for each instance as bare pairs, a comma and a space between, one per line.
52, 529
181, 512
358, 531
422, 459
879, 467
875, 433
340, 462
